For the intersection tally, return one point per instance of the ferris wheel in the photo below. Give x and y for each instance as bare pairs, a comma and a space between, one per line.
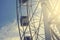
32, 19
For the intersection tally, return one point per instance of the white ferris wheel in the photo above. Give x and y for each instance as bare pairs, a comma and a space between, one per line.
37, 19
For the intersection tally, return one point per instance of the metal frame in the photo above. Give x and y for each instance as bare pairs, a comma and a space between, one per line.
48, 33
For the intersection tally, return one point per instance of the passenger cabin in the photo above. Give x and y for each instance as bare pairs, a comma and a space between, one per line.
27, 38
24, 21
23, 1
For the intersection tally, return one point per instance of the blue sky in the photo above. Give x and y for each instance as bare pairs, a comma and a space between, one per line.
8, 24
7, 11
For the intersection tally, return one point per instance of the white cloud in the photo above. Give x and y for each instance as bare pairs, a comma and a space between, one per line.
9, 32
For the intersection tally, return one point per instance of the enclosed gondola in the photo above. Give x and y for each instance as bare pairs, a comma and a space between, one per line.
24, 21
23, 1
27, 38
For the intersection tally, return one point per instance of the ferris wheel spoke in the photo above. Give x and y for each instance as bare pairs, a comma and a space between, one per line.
35, 10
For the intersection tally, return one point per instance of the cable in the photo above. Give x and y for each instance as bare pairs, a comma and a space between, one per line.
55, 34
35, 10
39, 25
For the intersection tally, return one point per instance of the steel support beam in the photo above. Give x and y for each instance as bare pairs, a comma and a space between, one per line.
45, 18
57, 37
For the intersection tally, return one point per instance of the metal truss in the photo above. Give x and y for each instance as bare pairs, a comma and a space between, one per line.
41, 24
